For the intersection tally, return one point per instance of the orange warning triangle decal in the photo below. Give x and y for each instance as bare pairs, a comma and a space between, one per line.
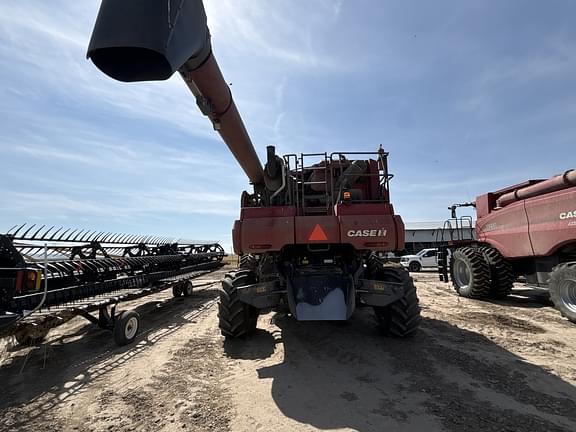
318, 234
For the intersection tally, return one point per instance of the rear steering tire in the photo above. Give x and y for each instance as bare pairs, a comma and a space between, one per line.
470, 273
236, 318
401, 318
562, 288
249, 262
501, 273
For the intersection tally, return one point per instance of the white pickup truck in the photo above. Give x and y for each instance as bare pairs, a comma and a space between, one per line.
424, 258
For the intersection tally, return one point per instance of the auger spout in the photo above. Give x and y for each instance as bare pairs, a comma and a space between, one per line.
149, 40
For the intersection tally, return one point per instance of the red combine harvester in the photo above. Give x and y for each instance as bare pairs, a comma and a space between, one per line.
526, 230
308, 232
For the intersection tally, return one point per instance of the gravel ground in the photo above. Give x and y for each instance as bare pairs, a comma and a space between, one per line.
481, 366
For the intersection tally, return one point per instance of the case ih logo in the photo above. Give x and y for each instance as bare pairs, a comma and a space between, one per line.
367, 233
568, 215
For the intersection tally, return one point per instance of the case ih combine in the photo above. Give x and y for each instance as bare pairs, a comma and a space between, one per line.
308, 231
526, 230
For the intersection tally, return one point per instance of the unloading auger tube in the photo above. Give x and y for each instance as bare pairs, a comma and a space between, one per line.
556, 183
147, 40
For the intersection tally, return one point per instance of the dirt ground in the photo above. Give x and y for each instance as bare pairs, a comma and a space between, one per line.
473, 366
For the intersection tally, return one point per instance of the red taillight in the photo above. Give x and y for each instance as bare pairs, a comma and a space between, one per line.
19, 281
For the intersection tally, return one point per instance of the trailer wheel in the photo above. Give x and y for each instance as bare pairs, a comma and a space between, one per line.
501, 273
236, 318
188, 289
126, 327
401, 318
26, 339
563, 289
177, 290
470, 273
414, 266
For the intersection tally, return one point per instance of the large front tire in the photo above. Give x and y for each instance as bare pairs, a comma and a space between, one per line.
562, 287
470, 273
236, 318
401, 318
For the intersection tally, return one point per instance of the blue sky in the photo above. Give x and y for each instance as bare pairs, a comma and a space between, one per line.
466, 96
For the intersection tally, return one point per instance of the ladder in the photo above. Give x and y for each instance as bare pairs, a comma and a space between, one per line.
319, 202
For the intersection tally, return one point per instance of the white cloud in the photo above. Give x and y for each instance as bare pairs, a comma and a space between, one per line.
120, 204
279, 31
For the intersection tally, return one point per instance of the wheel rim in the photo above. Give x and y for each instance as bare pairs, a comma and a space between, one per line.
567, 290
462, 274
131, 328
189, 289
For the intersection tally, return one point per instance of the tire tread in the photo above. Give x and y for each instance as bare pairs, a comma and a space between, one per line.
479, 286
402, 318
236, 318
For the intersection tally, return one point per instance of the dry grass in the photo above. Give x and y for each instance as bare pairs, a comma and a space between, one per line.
231, 260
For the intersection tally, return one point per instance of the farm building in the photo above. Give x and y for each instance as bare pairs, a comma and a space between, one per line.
422, 235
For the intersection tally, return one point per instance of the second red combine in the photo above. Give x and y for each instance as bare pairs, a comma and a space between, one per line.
526, 230
309, 229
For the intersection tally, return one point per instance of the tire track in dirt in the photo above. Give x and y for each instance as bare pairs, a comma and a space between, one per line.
91, 384
478, 366
455, 375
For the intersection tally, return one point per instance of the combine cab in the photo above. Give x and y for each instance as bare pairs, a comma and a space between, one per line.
309, 229
526, 230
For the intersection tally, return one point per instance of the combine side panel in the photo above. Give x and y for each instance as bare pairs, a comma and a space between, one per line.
370, 226
376, 233
507, 231
265, 234
263, 229
552, 221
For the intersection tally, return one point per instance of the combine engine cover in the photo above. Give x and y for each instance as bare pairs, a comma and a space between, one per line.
338, 201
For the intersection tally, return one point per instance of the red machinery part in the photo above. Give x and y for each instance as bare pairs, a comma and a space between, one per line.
553, 184
207, 84
145, 40
308, 231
